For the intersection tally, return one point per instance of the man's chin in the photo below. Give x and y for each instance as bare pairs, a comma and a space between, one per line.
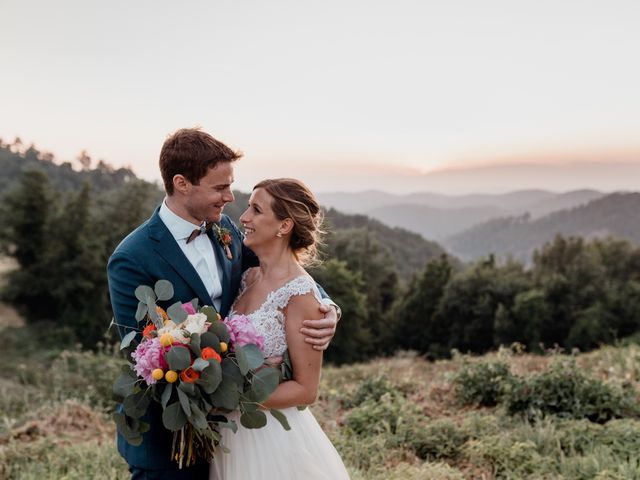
215, 217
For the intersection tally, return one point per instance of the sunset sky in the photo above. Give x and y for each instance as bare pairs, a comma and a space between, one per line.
346, 95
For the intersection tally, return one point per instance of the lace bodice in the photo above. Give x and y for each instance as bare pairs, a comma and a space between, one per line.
269, 318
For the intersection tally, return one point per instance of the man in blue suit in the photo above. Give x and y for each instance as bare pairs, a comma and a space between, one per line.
178, 244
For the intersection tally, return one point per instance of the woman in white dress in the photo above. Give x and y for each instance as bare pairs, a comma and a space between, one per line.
282, 225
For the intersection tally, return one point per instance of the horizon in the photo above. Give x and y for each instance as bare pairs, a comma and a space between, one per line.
403, 97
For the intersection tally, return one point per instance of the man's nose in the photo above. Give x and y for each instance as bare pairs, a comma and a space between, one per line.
229, 197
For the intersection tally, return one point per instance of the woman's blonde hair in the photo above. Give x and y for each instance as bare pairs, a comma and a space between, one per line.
293, 199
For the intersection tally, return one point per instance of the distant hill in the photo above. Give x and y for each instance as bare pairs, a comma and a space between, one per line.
436, 216
612, 215
435, 223
62, 176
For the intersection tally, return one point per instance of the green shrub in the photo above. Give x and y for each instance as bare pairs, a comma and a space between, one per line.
371, 388
434, 440
482, 383
373, 417
565, 391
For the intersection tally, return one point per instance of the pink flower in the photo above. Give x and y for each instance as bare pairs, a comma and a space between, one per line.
242, 332
148, 356
188, 307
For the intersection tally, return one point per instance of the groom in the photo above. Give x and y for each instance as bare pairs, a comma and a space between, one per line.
176, 245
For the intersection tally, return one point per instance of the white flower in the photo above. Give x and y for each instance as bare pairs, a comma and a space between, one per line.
195, 323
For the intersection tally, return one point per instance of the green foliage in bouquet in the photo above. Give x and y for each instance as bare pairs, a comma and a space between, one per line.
185, 360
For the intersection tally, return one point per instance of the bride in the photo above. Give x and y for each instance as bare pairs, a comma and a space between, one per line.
282, 226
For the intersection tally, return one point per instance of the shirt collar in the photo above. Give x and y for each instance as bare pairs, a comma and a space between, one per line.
178, 226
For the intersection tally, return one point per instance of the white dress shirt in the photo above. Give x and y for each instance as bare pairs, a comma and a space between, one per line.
199, 252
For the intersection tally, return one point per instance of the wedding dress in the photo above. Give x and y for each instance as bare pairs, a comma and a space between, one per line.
271, 452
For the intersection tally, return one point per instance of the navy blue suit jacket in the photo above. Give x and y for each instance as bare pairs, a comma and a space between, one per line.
148, 254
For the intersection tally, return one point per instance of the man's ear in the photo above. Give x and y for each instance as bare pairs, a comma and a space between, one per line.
286, 226
180, 183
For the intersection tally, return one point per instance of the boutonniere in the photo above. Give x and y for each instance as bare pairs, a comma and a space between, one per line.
224, 238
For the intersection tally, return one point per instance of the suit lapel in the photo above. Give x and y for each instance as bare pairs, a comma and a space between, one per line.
167, 248
225, 263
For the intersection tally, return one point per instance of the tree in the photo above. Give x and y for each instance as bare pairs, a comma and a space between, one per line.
84, 159
352, 341
26, 217
413, 325
78, 280
363, 254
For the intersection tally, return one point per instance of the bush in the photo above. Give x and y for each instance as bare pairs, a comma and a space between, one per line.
482, 383
371, 388
434, 440
565, 391
373, 417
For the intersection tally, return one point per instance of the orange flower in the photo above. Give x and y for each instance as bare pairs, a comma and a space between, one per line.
162, 313
146, 333
208, 352
226, 239
189, 375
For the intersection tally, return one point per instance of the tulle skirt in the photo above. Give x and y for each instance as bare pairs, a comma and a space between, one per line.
271, 452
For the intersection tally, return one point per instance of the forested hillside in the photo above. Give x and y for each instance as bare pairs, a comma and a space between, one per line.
15, 159
613, 215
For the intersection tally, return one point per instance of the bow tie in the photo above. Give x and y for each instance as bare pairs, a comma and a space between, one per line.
204, 228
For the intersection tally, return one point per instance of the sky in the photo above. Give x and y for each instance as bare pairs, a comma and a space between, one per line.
346, 95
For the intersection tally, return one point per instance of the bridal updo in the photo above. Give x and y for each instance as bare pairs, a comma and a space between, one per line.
293, 199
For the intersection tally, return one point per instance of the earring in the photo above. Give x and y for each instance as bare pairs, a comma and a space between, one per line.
279, 235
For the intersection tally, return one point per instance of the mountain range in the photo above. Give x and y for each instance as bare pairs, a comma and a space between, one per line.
614, 215
438, 217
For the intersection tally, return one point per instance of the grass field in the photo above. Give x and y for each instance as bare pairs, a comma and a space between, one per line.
396, 418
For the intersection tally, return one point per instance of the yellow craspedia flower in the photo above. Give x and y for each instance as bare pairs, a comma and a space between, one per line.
218, 316
166, 339
223, 347
157, 374
171, 376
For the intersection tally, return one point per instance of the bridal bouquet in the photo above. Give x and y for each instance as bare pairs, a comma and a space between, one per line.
197, 368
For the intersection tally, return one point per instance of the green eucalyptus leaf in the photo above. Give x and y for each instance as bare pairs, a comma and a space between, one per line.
178, 358
135, 405
286, 367
264, 383
173, 417
231, 425
200, 364
130, 428
278, 415
209, 339
156, 318
231, 371
243, 361
141, 311
166, 395
226, 396
252, 354
198, 419
145, 294
123, 386
163, 290
188, 388
255, 419
184, 402
127, 339
177, 313
210, 312
194, 303
210, 377
194, 344
221, 331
